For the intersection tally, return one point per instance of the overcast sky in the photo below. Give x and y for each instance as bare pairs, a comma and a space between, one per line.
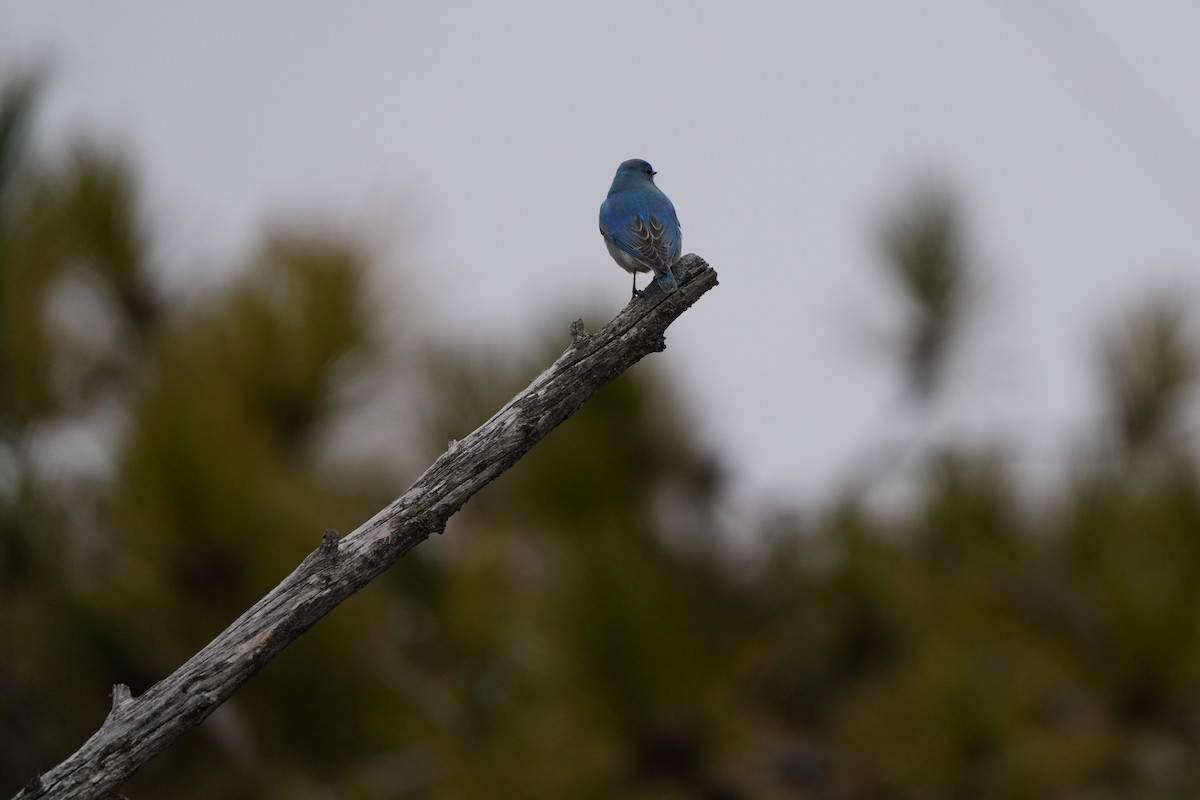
490, 133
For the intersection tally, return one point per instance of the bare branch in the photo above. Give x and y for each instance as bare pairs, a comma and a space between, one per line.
137, 728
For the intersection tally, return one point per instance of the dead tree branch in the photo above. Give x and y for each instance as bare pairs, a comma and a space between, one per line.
138, 728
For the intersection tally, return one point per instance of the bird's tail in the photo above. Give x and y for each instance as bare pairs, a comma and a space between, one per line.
666, 281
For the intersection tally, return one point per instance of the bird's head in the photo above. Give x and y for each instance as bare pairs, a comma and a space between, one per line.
636, 168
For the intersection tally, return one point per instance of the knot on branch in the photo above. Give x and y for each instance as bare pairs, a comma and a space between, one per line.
579, 336
329, 544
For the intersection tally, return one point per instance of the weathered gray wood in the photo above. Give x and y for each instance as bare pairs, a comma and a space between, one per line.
137, 728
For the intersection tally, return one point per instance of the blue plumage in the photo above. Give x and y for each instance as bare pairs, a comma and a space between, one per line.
639, 225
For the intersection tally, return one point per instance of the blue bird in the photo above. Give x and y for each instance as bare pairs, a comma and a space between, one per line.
639, 225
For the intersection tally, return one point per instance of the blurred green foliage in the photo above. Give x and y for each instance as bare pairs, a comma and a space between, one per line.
927, 256
586, 627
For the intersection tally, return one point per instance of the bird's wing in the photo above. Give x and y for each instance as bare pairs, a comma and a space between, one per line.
648, 231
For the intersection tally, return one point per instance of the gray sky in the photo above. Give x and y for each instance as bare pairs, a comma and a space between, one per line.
489, 133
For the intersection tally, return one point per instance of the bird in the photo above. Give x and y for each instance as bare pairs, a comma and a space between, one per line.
639, 225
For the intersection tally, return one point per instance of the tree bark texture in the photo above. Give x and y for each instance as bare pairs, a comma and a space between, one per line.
138, 728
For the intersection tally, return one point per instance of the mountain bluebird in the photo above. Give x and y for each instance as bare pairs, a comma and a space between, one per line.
639, 225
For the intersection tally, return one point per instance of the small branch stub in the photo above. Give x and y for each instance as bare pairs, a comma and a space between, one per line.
120, 696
